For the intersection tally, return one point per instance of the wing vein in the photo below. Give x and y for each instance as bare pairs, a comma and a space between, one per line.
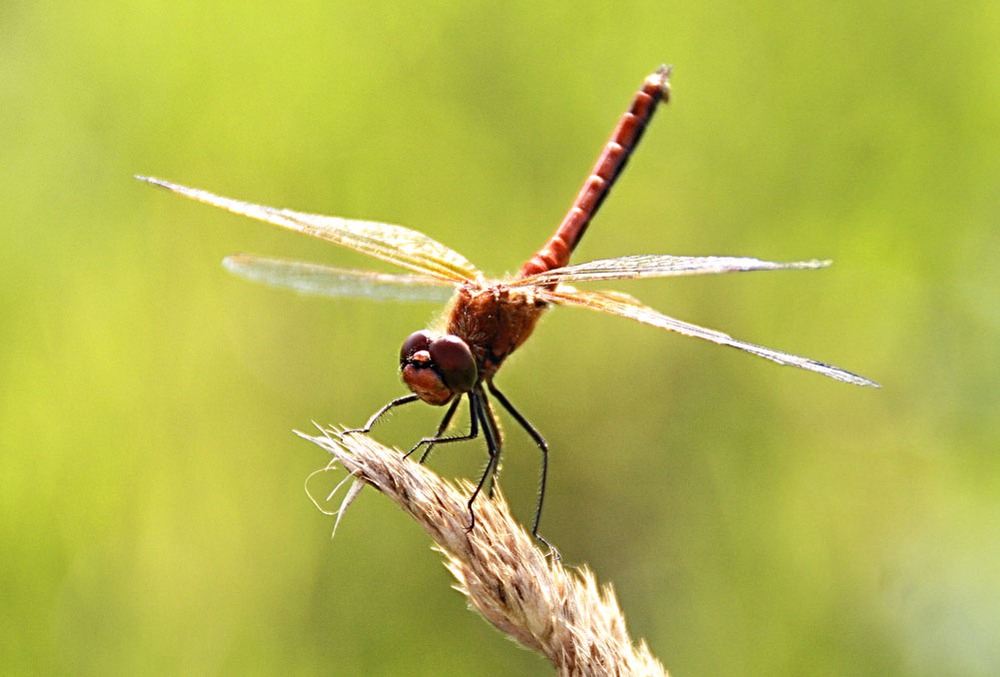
624, 305
394, 244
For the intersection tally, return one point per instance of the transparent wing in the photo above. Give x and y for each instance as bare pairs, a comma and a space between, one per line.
315, 278
658, 265
627, 306
395, 244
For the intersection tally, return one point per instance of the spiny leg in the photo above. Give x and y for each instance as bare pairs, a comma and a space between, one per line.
479, 405
445, 422
405, 399
498, 444
542, 445
431, 441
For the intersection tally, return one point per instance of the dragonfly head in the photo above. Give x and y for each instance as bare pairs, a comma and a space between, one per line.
437, 368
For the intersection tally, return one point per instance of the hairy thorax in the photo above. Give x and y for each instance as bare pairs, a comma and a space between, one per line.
493, 320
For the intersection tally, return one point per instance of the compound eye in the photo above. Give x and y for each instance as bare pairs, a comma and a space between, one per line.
415, 342
454, 361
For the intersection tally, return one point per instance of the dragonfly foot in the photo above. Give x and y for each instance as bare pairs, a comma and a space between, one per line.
552, 553
417, 446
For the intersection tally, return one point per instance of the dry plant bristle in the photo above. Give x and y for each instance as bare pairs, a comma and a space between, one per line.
532, 598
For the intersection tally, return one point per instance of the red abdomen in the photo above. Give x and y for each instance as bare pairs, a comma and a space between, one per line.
556, 252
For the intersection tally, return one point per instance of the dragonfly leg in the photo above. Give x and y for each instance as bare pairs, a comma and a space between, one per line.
494, 426
438, 439
544, 447
405, 399
445, 422
481, 411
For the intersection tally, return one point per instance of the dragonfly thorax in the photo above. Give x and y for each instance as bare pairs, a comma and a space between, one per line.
493, 320
437, 367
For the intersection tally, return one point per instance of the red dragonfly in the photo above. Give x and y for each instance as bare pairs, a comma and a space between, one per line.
488, 320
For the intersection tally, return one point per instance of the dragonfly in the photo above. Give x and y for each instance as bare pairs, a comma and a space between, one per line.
487, 320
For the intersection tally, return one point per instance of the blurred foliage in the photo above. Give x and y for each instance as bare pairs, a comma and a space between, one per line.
753, 519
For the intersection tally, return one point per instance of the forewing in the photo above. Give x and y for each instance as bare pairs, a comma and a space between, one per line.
658, 265
395, 244
624, 305
323, 280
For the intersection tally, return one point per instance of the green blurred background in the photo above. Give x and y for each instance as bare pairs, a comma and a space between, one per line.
753, 519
